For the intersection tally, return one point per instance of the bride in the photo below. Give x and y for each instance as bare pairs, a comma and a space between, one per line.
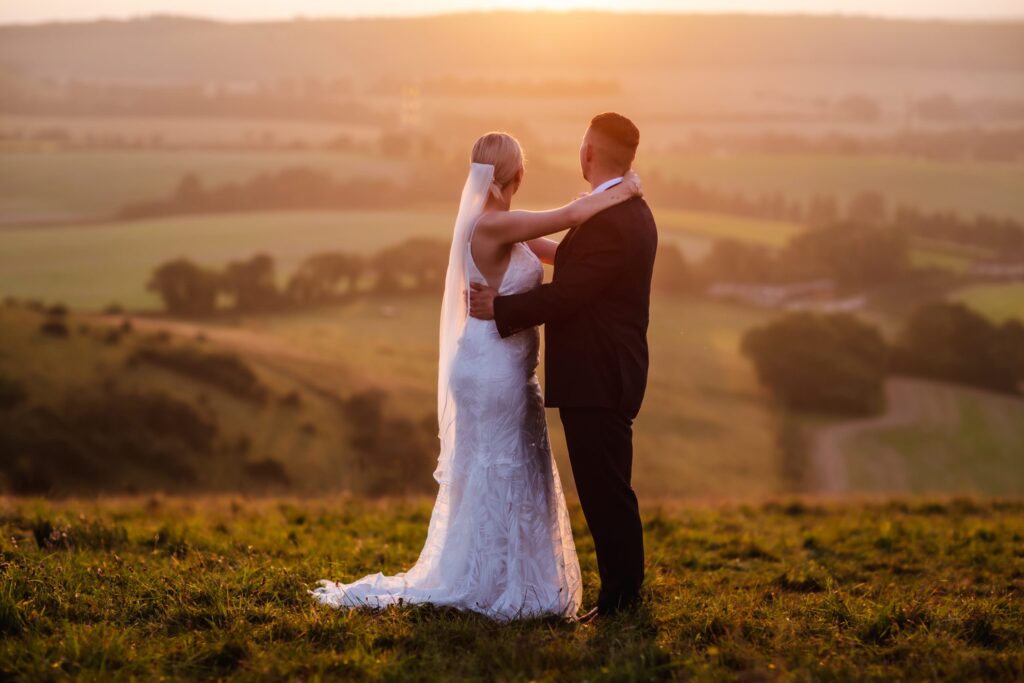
499, 540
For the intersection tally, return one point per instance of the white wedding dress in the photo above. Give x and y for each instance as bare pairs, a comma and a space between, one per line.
499, 540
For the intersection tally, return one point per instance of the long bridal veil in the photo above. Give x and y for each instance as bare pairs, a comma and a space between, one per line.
454, 308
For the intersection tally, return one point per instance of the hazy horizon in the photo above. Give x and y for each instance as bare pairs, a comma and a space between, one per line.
269, 10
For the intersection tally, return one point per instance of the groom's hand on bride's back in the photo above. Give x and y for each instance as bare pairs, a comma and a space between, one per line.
481, 301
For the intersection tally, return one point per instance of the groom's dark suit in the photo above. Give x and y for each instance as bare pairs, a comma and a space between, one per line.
596, 311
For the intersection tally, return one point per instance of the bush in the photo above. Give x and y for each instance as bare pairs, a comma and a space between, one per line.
12, 393
55, 328
834, 363
103, 440
671, 272
949, 341
223, 370
853, 254
186, 288
267, 472
395, 454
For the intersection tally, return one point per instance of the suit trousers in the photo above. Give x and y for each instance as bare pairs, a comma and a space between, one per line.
600, 444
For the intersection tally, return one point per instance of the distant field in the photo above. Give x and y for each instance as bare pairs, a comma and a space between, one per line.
174, 130
92, 266
714, 226
1000, 302
936, 438
81, 185
78, 184
956, 258
967, 187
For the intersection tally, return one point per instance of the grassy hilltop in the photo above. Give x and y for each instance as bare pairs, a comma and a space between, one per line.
216, 588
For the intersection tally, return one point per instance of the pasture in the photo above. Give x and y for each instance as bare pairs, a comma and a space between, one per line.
705, 430
967, 187
38, 184
85, 185
96, 355
92, 266
933, 437
208, 588
1000, 302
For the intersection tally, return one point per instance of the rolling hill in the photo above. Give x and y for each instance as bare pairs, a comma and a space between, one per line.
176, 48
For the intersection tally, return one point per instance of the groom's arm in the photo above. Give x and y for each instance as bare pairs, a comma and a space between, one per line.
596, 262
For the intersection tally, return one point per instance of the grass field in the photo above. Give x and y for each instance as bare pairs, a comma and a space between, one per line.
94, 184
966, 187
1000, 302
705, 430
186, 589
92, 266
83, 184
933, 438
946, 438
53, 368
184, 131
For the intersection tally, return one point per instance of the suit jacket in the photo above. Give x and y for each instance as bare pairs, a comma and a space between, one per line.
596, 310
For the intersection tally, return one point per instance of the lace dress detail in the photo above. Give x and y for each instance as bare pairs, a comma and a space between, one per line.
499, 540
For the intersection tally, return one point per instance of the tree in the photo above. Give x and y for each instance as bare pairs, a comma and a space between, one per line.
868, 208
421, 260
951, 342
833, 363
251, 283
671, 272
738, 261
319, 276
853, 255
186, 288
823, 210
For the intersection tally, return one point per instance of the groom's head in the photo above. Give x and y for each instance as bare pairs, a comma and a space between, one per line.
609, 146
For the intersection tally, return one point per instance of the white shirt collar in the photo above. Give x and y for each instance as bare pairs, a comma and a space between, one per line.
606, 184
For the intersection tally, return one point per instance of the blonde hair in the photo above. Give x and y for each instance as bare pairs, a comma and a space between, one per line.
502, 151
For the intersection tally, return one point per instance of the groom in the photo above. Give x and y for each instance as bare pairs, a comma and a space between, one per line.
596, 311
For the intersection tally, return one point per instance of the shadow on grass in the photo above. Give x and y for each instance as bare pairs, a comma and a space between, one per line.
432, 643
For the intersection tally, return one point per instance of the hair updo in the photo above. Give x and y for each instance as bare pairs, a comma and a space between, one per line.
502, 151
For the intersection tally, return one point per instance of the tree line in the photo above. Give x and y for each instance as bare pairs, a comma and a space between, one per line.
251, 284
416, 265
854, 255
838, 363
304, 188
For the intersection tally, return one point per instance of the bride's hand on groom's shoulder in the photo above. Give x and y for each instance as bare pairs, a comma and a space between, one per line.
632, 182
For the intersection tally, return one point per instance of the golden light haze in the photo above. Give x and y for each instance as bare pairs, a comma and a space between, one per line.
45, 10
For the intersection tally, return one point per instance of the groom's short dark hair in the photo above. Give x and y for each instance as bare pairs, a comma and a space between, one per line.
621, 133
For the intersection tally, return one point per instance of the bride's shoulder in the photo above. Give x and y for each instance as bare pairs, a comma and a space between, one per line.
490, 221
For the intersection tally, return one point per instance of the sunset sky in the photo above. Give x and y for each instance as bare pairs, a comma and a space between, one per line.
42, 10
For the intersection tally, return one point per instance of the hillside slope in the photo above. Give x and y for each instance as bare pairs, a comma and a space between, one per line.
90, 405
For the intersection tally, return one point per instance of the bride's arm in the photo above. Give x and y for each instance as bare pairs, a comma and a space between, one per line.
544, 249
509, 227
